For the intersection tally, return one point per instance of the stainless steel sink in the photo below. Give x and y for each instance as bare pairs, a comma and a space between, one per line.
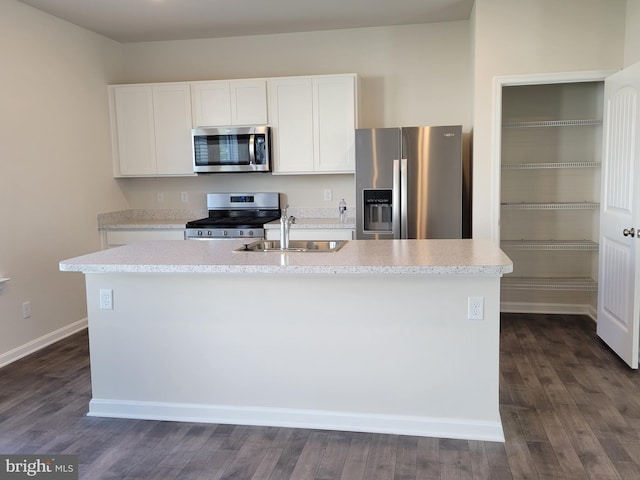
294, 246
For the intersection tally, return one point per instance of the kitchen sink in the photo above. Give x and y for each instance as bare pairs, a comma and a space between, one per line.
294, 246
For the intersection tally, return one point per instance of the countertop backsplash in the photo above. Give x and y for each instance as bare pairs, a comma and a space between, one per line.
139, 218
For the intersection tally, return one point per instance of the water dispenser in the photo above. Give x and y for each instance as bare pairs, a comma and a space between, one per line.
377, 210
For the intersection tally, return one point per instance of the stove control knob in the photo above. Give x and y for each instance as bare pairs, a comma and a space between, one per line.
241, 233
225, 233
251, 233
199, 233
209, 232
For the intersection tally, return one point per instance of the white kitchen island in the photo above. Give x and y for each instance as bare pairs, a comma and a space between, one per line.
372, 338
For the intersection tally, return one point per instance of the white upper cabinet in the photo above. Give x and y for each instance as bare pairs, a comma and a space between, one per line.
334, 110
313, 122
249, 102
291, 113
211, 104
151, 129
229, 102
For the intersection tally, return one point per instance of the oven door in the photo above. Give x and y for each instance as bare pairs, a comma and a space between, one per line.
231, 149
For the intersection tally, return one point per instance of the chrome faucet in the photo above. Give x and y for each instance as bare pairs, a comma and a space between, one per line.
285, 228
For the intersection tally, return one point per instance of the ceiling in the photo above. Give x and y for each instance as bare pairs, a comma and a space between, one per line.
155, 20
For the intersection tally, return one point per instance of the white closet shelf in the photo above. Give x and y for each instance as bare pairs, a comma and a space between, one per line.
584, 284
548, 165
586, 245
552, 206
553, 123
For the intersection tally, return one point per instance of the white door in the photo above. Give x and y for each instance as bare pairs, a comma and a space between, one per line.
619, 269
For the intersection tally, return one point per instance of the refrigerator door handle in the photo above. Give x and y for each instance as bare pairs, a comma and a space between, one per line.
395, 200
403, 199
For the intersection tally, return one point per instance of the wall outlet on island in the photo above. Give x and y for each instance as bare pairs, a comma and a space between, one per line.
475, 310
106, 299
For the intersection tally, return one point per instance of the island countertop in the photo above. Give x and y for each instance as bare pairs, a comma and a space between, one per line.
358, 257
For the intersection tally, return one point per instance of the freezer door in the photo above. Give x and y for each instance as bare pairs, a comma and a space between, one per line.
434, 194
376, 150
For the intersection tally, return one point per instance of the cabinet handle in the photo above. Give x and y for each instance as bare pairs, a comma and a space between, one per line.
629, 232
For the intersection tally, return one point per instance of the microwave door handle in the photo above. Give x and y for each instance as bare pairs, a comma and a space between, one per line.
395, 200
252, 149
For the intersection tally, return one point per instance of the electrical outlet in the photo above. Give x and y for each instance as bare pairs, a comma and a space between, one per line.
184, 196
26, 310
475, 308
159, 197
106, 299
328, 194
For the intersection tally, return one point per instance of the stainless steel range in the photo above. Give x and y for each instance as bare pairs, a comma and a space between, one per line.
235, 215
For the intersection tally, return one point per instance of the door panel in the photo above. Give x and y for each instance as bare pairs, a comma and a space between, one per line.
619, 270
376, 149
434, 181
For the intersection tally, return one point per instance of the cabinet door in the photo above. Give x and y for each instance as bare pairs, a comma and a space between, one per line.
211, 104
291, 119
172, 118
135, 147
335, 123
116, 238
248, 102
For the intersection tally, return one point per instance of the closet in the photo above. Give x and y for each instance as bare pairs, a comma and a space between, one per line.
550, 191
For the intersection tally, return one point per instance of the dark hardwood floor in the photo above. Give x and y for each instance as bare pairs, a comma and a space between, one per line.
570, 408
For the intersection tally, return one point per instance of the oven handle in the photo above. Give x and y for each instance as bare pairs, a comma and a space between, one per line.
252, 149
222, 239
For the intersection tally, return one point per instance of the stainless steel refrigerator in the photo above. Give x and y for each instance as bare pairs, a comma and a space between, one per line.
411, 182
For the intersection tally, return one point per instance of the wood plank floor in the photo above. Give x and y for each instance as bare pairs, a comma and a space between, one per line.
570, 408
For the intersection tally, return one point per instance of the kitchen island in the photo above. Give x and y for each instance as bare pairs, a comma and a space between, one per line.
374, 337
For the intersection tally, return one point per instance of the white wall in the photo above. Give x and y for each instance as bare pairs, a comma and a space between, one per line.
54, 166
545, 36
410, 75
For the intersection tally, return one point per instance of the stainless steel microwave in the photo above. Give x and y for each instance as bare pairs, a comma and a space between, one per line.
231, 149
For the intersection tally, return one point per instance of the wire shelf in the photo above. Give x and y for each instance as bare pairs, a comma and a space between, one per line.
534, 283
548, 165
552, 206
570, 245
554, 123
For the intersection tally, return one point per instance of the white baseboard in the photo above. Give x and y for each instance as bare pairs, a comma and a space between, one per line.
548, 308
42, 342
294, 418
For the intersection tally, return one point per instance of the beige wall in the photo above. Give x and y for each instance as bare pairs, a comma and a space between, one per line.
55, 170
517, 38
632, 33
410, 75
54, 165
